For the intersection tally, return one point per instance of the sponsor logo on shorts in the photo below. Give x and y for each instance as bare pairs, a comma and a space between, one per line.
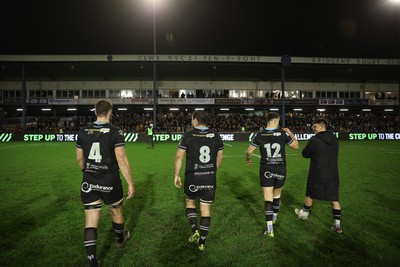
86, 187
270, 175
194, 188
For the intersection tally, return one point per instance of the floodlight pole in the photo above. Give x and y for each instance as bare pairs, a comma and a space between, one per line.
154, 68
285, 62
23, 97
283, 96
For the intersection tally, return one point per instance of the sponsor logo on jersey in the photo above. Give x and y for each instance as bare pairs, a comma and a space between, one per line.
272, 134
205, 166
105, 130
203, 173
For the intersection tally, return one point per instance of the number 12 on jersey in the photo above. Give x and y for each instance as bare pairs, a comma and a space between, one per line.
273, 150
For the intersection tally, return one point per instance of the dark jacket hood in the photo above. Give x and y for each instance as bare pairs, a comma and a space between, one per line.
327, 137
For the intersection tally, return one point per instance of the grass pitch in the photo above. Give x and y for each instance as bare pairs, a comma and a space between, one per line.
42, 217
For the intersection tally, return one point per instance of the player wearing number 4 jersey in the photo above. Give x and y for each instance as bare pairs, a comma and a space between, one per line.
271, 142
100, 152
204, 152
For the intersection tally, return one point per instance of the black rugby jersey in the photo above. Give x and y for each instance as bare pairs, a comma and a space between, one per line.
202, 146
98, 141
272, 146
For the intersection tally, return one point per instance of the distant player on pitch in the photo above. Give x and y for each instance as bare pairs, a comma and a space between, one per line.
204, 153
271, 141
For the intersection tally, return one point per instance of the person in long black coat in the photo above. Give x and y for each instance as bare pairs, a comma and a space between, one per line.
323, 175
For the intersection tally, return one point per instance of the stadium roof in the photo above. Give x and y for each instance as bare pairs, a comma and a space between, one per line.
197, 68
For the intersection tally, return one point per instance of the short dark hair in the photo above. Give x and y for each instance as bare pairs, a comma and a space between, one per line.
201, 116
103, 107
322, 121
272, 115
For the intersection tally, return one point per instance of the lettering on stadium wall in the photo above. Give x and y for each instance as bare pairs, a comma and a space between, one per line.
175, 137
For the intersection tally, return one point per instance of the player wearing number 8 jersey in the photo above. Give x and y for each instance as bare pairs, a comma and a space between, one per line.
204, 152
271, 141
100, 153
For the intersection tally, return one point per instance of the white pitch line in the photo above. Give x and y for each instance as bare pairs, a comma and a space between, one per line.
258, 156
228, 145
255, 155
386, 150
18, 146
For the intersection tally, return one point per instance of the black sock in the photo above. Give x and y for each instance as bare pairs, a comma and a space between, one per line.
205, 223
119, 231
268, 211
306, 208
90, 240
275, 204
192, 217
337, 214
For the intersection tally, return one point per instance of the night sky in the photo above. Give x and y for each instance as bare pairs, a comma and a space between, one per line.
317, 28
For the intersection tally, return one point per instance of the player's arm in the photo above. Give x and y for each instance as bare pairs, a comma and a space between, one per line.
295, 144
220, 156
180, 154
249, 153
80, 158
125, 168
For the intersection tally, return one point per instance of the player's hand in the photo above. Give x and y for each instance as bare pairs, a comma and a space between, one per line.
287, 130
177, 181
131, 192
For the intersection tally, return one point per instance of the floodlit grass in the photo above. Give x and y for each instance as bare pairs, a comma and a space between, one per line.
42, 216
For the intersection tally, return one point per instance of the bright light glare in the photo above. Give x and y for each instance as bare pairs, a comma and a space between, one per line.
395, 1
274, 109
199, 109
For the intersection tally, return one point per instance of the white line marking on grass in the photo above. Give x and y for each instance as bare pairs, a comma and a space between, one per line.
386, 150
18, 146
258, 156
228, 145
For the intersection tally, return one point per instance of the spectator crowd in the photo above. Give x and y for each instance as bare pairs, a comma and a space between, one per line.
224, 122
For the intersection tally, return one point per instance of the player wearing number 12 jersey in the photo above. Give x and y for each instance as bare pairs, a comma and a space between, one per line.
271, 141
100, 153
204, 152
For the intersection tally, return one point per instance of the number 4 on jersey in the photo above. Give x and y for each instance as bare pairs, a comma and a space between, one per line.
94, 153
